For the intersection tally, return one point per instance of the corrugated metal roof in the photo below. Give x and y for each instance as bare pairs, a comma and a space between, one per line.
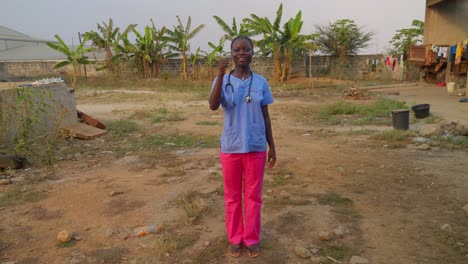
21, 47
10, 34
39, 52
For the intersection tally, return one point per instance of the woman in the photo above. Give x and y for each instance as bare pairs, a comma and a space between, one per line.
245, 97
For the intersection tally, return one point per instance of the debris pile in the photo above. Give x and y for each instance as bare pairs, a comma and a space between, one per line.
354, 93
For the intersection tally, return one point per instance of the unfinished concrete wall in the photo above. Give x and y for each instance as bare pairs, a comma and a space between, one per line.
446, 22
358, 67
38, 109
24, 70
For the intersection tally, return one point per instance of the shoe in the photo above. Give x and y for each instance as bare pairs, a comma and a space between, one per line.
235, 250
254, 250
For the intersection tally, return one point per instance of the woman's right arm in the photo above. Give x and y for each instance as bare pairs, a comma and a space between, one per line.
215, 96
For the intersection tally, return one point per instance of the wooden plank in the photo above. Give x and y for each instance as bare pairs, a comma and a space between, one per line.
90, 120
83, 131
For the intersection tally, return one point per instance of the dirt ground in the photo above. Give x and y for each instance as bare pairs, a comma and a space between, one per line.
335, 192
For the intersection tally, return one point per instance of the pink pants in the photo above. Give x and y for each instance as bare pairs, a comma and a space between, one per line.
248, 167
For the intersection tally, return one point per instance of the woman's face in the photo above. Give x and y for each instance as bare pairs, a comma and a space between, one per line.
242, 52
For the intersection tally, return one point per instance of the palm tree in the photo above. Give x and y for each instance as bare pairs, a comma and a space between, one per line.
231, 32
271, 42
74, 55
179, 38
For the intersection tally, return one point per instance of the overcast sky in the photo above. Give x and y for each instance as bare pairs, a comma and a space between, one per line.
44, 18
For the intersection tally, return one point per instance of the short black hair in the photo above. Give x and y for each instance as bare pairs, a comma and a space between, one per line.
242, 37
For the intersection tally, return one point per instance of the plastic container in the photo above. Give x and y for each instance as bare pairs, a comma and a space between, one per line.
144, 230
450, 87
421, 110
400, 119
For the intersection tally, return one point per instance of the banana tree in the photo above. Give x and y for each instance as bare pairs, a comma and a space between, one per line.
194, 57
179, 39
271, 41
231, 32
217, 51
107, 38
75, 56
292, 40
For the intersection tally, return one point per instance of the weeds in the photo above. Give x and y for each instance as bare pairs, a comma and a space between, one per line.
394, 136
66, 244
433, 119
188, 201
209, 123
109, 255
167, 243
175, 141
338, 252
164, 115
343, 207
20, 194
280, 177
122, 127
212, 253
334, 199
376, 113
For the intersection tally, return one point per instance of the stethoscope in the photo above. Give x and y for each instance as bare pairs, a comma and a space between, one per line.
248, 98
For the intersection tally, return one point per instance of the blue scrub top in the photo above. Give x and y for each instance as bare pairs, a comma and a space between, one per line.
244, 126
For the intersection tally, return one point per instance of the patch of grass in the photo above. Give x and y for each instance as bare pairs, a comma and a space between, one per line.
188, 201
66, 244
395, 137
338, 252
280, 177
360, 132
20, 194
164, 115
209, 123
112, 255
433, 119
141, 114
175, 141
334, 199
167, 243
377, 113
346, 214
212, 253
122, 127
452, 142
4, 245
286, 201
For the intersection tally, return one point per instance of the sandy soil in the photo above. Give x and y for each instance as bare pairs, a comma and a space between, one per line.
396, 205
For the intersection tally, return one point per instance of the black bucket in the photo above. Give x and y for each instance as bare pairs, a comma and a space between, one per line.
400, 119
421, 110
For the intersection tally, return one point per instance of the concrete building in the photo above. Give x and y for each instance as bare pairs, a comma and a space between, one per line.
445, 25
25, 57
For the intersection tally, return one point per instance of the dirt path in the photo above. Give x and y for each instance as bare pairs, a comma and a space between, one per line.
391, 203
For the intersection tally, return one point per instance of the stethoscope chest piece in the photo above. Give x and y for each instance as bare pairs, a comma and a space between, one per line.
248, 98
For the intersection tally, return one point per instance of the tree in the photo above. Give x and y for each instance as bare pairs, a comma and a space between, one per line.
231, 32
406, 37
216, 52
342, 38
271, 32
107, 39
291, 40
194, 62
179, 39
75, 56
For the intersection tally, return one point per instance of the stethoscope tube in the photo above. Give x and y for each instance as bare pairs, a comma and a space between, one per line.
248, 98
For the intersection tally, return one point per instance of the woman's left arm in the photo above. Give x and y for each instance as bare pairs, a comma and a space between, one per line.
269, 137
